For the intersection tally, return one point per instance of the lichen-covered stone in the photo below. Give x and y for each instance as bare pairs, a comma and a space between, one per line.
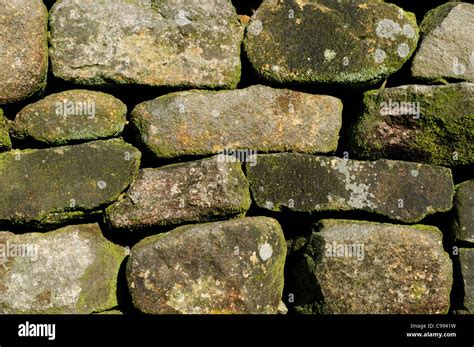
5, 142
23, 49
466, 259
224, 267
157, 43
367, 268
258, 118
353, 43
430, 124
70, 270
463, 212
399, 190
446, 50
204, 190
73, 115
49, 186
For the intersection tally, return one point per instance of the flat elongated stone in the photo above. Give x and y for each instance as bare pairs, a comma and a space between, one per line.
196, 191
224, 267
430, 124
70, 270
367, 268
466, 258
73, 115
5, 142
49, 186
147, 42
23, 49
399, 190
353, 43
463, 212
447, 47
259, 118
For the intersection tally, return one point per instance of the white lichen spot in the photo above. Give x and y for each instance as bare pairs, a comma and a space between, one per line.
101, 184
182, 18
265, 251
215, 113
403, 50
408, 31
255, 27
387, 29
379, 55
414, 173
329, 54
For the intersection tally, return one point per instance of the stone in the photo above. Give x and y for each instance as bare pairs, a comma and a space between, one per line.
45, 187
399, 190
72, 270
225, 267
429, 124
350, 43
5, 142
463, 216
73, 115
204, 190
466, 259
146, 42
23, 49
358, 267
257, 118
446, 51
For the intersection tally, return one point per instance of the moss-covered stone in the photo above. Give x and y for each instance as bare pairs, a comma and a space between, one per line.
399, 190
23, 49
215, 268
429, 124
5, 142
73, 115
155, 43
50, 186
353, 43
466, 259
257, 118
70, 270
204, 190
446, 48
463, 213
367, 268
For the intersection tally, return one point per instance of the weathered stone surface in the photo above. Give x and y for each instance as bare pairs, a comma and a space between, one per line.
23, 49
224, 267
73, 115
203, 190
5, 142
430, 124
362, 267
258, 118
466, 258
447, 47
49, 186
463, 223
147, 42
354, 43
399, 190
70, 270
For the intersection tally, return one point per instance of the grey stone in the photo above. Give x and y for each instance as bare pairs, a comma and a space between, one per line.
463, 221
466, 258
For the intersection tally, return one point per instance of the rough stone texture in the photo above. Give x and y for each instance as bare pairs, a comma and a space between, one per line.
463, 221
224, 267
466, 258
366, 268
354, 43
258, 118
23, 49
447, 46
50, 186
5, 142
69, 116
69, 270
430, 124
147, 42
204, 190
399, 190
